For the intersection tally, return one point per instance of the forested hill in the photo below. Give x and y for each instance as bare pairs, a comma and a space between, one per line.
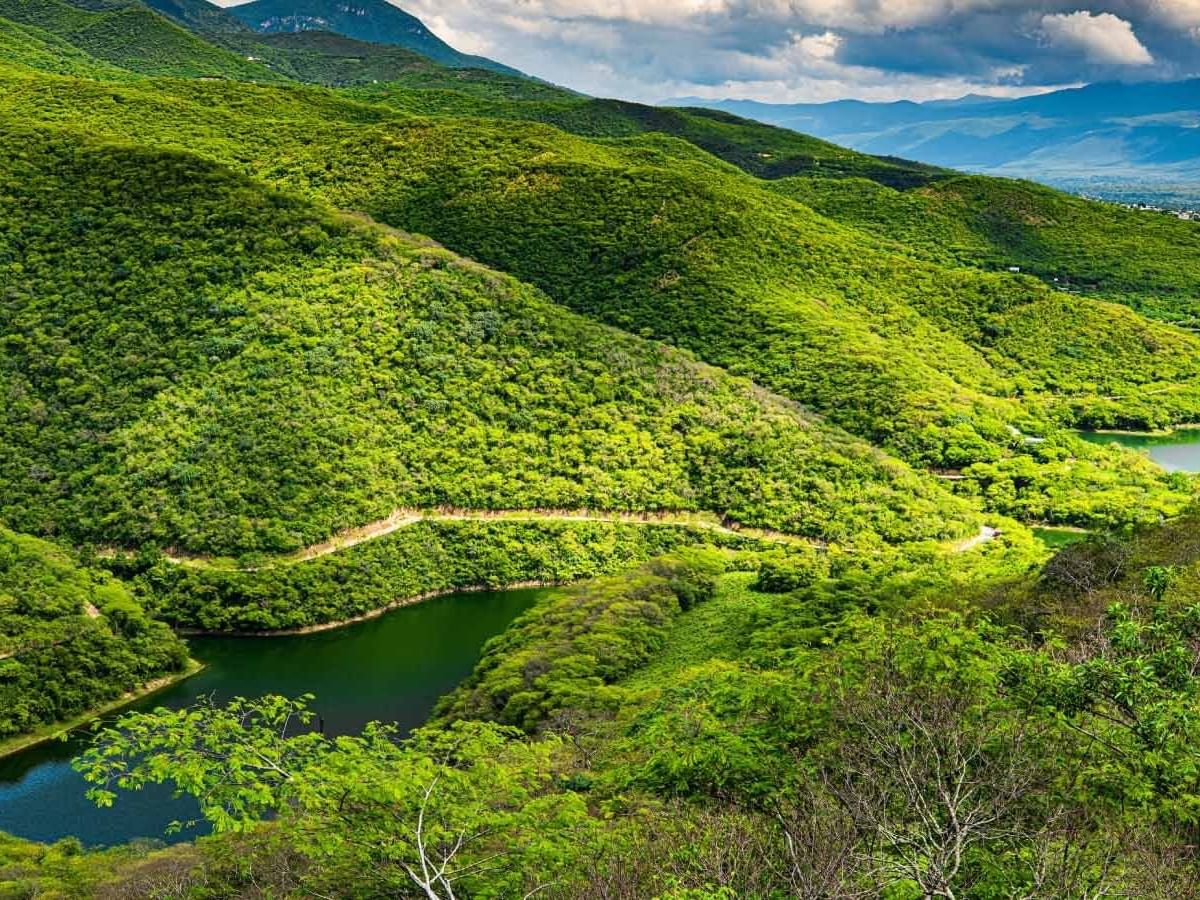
224, 367
131, 36
297, 327
943, 365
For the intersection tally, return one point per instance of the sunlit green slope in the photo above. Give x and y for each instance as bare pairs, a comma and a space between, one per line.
948, 367
71, 638
37, 48
193, 360
1148, 261
130, 35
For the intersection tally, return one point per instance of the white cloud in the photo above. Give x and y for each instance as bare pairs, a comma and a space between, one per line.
822, 49
1102, 38
1183, 14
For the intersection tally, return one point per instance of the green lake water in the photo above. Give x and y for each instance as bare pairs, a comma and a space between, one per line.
1178, 451
389, 669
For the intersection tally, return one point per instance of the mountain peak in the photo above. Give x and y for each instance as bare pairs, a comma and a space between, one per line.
376, 21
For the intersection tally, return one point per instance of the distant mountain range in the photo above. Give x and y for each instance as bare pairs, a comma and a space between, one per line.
376, 21
1101, 135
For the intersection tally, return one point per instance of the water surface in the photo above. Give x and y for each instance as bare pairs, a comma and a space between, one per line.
1178, 451
389, 669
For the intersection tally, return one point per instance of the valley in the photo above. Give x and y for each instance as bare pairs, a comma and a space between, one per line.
565, 495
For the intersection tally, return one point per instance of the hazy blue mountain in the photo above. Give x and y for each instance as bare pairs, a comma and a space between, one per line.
376, 21
1146, 133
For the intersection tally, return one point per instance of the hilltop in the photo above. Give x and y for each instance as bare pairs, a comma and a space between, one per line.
944, 366
1092, 138
376, 21
131, 36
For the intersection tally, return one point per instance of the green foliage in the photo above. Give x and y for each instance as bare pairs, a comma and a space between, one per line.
762, 150
249, 373
1144, 260
463, 808
71, 638
27, 45
321, 57
411, 562
62, 871
131, 36
784, 573
561, 655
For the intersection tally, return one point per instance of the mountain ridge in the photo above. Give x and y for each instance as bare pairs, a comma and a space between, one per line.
374, 21
1107, 131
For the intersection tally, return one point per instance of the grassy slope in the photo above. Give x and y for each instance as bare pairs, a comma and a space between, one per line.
1149, 261
37, 48
651, 234
762, 150
222, 367
321, 57
132, 36
71, 638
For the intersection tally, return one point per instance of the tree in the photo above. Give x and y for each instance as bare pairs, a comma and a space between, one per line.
471, 806
932, 760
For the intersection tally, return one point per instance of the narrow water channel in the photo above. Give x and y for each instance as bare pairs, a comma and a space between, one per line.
390, 669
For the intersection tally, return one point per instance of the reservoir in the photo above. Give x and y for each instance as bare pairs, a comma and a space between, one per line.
1178, 451
389, 669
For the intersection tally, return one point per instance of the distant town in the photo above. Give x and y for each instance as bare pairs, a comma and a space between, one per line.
1188, 215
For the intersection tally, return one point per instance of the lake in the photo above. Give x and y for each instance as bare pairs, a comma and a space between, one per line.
390, 669
1178, 451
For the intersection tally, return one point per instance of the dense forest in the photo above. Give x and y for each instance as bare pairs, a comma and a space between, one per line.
72, 638
295, 327
945, 367
968, 726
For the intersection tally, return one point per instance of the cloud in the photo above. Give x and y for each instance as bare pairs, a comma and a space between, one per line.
1184, 14
798, 50
1102, 38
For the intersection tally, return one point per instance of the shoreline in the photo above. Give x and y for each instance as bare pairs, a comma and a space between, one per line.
373, 613
1160, 432
47, 733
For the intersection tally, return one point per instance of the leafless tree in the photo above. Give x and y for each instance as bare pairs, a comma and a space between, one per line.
820, 842
927, 774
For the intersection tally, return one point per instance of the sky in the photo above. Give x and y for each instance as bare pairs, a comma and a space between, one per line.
817, 50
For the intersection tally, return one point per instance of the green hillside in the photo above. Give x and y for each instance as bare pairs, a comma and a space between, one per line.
762, 150
199, 15
321, 57
1148, 261
27, 45
947, 367
71, 638
221, 367
132, 36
